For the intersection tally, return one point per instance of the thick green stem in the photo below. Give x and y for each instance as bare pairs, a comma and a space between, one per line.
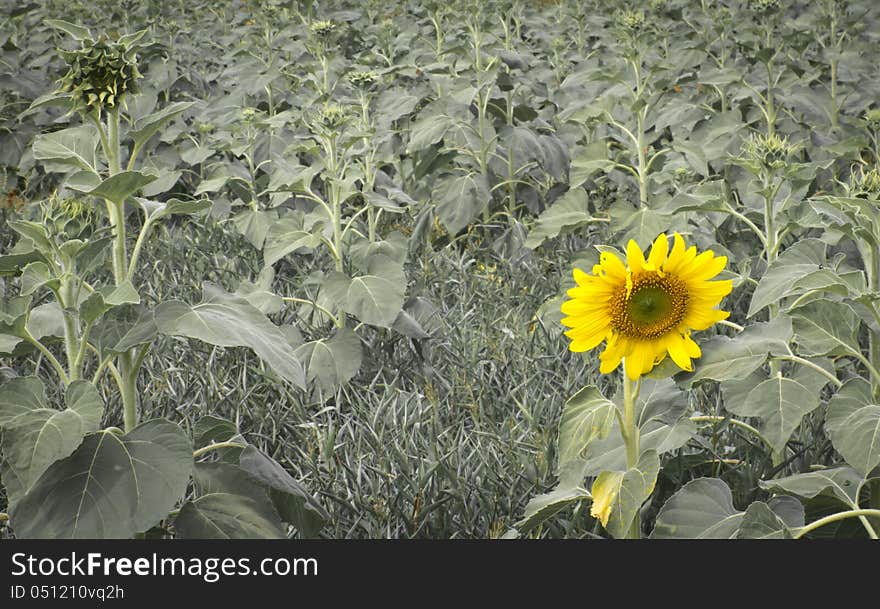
771, 106
837, 517
770, 249
218, 446
643, 163
67, 298
128, 388
630, 433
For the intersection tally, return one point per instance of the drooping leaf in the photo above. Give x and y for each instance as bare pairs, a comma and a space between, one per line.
759, 522
287, 235
375, 297
290, 498
544, 507
795, 263
230, 505
227, 320
618, 496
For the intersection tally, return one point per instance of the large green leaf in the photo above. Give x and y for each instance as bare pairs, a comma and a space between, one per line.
229, 505
103, 299
760, 522
37, 233
781, 404
77, 32
589, 160
824, 327
609, 453
118, 187
570, 212
112, 486
290, 498
840, 482
726, 358
145, 127
643, 224
71, 147
587, 415
375, 297
35, 435
621, 494
460, 198
157, 210
544, 507
427, 131
227, 320
332, 362
701, 509
853, 421
287, 235
795, 263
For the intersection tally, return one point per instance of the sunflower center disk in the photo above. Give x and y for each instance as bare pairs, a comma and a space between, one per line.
654, 306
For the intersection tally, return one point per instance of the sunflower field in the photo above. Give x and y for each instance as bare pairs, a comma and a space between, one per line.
462, 269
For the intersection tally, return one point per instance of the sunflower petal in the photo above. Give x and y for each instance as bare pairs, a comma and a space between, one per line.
659, 251
675, 344
635, 258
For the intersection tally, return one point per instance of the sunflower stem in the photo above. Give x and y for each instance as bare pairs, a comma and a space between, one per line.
630, 433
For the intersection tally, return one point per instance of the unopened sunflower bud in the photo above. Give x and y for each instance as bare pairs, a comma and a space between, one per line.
100, 74
763, 7
363, 80
769, 151
872, 119
323, 28
632, 21
333, 116
866, 182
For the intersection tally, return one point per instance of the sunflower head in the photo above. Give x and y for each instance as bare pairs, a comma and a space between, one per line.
323, 28
872, 119
763, 7
647, 308
100, 73
866, 183
364, 79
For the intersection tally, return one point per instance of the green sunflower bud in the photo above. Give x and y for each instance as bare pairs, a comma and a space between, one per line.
631, 21
769, 151
100, 74
872, 119
322, 29
866, 182
363, 80
333, 117
764, 7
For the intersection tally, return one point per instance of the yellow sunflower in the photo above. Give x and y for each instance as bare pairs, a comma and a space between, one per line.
647, 308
